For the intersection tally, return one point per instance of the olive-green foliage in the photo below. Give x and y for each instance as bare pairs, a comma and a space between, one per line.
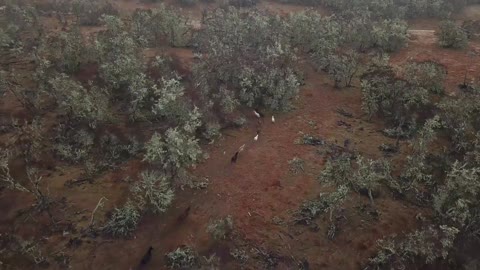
297, 165
390, 35
188, 2
337, 171
67, 51
365, 175
221, 229
153, 191
417, 248
397, 9
158, 100
8, 39
6, 178
123, 221
249, 61
242, 3
319, 36
182, 258
89, 12
461, 117
28, 138
19, 18
370, 175
363, 31
118, 54
343, 67
417, 170
73, 146
429, 8
451, 35
175, 150
429, 75
329, 202
458, 199
79, 103
384, 94
163, 23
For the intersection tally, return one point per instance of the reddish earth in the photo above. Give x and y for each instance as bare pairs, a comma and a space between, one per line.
259, 191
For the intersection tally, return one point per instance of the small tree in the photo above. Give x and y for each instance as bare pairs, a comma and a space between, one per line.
417, 170
390, 35
334, 200
161, 24
78, 102
177, 150
67, 51
182, 258
429, 75
118, 54
452, 36
123, 221
343, 67
420, 247
370, 174
221, 229
153, 191
457, 200
89, 12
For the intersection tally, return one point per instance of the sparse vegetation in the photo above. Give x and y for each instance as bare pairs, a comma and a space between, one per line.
107, 107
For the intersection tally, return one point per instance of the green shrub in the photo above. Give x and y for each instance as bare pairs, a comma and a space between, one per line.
182, 258
343, 67
457, 201
118, 54
460, 116
397, 100
429, 75
452, 36
420, 247
221, 229
188, 2
243, 3
153, 191
152, 27
71, 145
89, 12
390, 35
67, 51
417, 170
123, 221
79, 103
329, 202
176, 150
319, 36
249, 61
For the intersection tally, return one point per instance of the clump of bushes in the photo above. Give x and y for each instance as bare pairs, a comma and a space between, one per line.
429, 75
123, 221
422, 246
182, 258
151, 27
451, 35
221, 229
153, 191
248, 62
89, 12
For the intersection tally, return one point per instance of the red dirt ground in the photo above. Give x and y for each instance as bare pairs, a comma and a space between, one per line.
256, 191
